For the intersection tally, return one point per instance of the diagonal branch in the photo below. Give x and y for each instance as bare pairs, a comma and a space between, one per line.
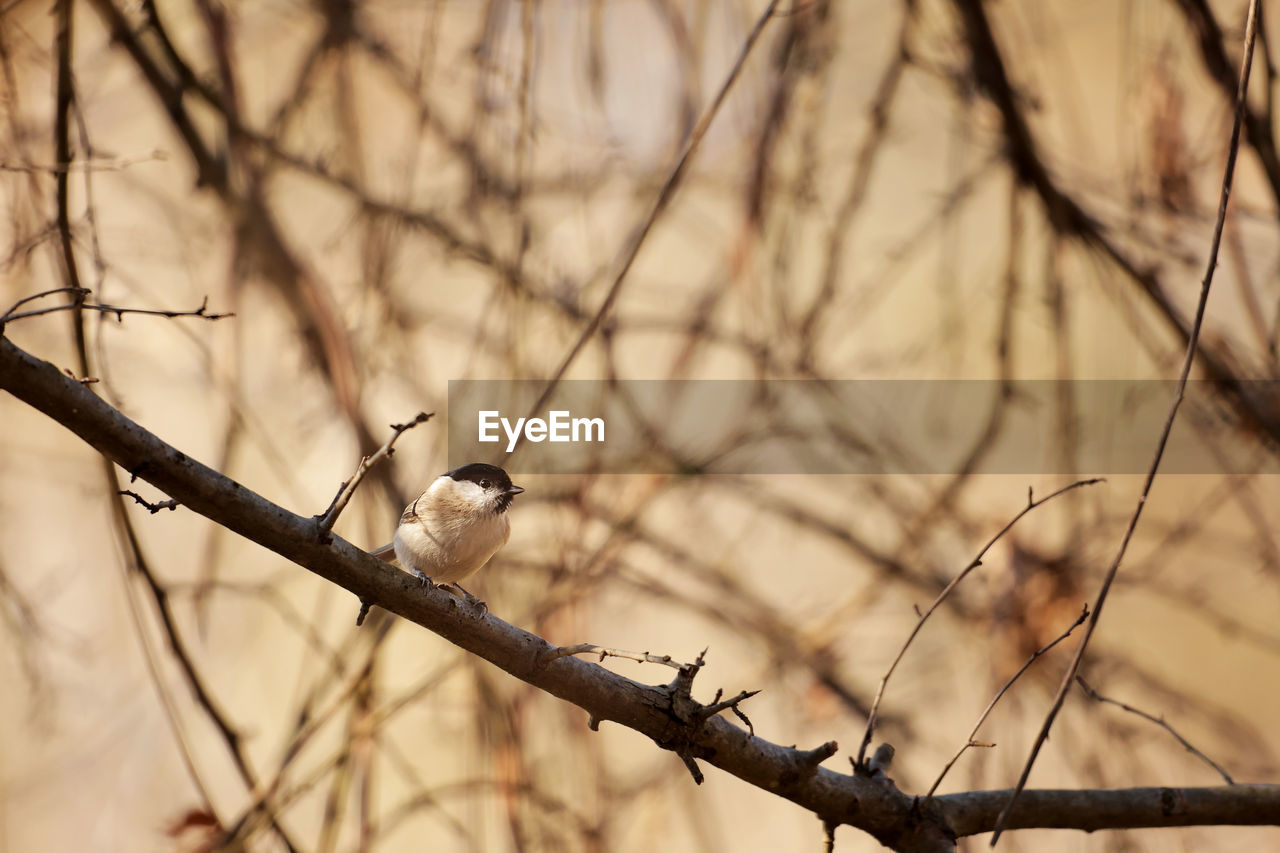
606, 696
1159, 721
942, 596
1193, 338
869, 802
665, 194
347, 490
986, 712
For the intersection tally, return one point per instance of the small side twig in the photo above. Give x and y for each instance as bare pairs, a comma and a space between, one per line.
364, 611
78, 302
970, 742
602, 652
100, 164
153, 508
78, 292
1159, 721
83, 380
716, 706
692, 767
811, 758
881, 760
1032, 503
347, 490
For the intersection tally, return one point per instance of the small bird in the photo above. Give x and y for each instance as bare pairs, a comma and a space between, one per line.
455, 526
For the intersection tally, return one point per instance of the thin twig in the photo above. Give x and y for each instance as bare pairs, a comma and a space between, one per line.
347, 490
77, 291
1193, 338
99, 165
153, 508
590, 648
202, 312
970, 742
718, 706
942, 596
1159, 721
659, 205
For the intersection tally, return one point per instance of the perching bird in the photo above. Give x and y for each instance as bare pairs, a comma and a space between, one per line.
455, 526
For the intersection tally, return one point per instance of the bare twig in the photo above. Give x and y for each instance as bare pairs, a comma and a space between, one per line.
589, 648
811, 758
881, 809
153, 508
365, 606
942, 596
83, 380
114, 164
717, 706
347, 490
970, 742
80, 293
665, 195
1193, 338
1159, 721
692, 767
74, 291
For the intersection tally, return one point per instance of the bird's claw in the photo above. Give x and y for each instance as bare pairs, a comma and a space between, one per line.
471, 599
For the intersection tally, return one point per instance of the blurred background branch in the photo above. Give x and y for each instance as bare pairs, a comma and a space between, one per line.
389, 196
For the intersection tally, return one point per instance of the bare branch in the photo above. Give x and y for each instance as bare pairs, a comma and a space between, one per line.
1159, 721
347, 490
153, 508
942, 596
1246, 64
986, 712
80, 293
589, 648
664, 196
74, 291
667, 714
114, 164
1130, 808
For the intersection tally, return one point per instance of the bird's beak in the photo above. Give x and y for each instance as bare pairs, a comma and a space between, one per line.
514, 489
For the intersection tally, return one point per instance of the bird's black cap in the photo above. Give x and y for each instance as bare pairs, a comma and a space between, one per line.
485, 475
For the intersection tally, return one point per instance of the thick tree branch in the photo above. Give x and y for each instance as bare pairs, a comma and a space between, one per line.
875, 807
1117, 808
870, 803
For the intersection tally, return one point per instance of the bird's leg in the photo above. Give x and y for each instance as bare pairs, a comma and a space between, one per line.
423, 581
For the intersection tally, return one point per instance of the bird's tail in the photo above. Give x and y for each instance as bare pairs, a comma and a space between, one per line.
387, 553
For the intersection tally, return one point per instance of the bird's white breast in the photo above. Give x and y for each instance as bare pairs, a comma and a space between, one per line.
445, 537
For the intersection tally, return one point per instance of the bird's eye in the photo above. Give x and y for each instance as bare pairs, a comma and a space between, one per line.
484, 484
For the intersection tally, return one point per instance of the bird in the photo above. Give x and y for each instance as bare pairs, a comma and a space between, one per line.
452, 529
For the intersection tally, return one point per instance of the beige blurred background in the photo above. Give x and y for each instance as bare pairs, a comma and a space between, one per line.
390, 195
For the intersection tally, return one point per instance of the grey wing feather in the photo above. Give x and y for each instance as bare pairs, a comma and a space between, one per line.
387, 553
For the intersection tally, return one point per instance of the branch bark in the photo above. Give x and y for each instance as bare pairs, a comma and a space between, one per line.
869, 802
